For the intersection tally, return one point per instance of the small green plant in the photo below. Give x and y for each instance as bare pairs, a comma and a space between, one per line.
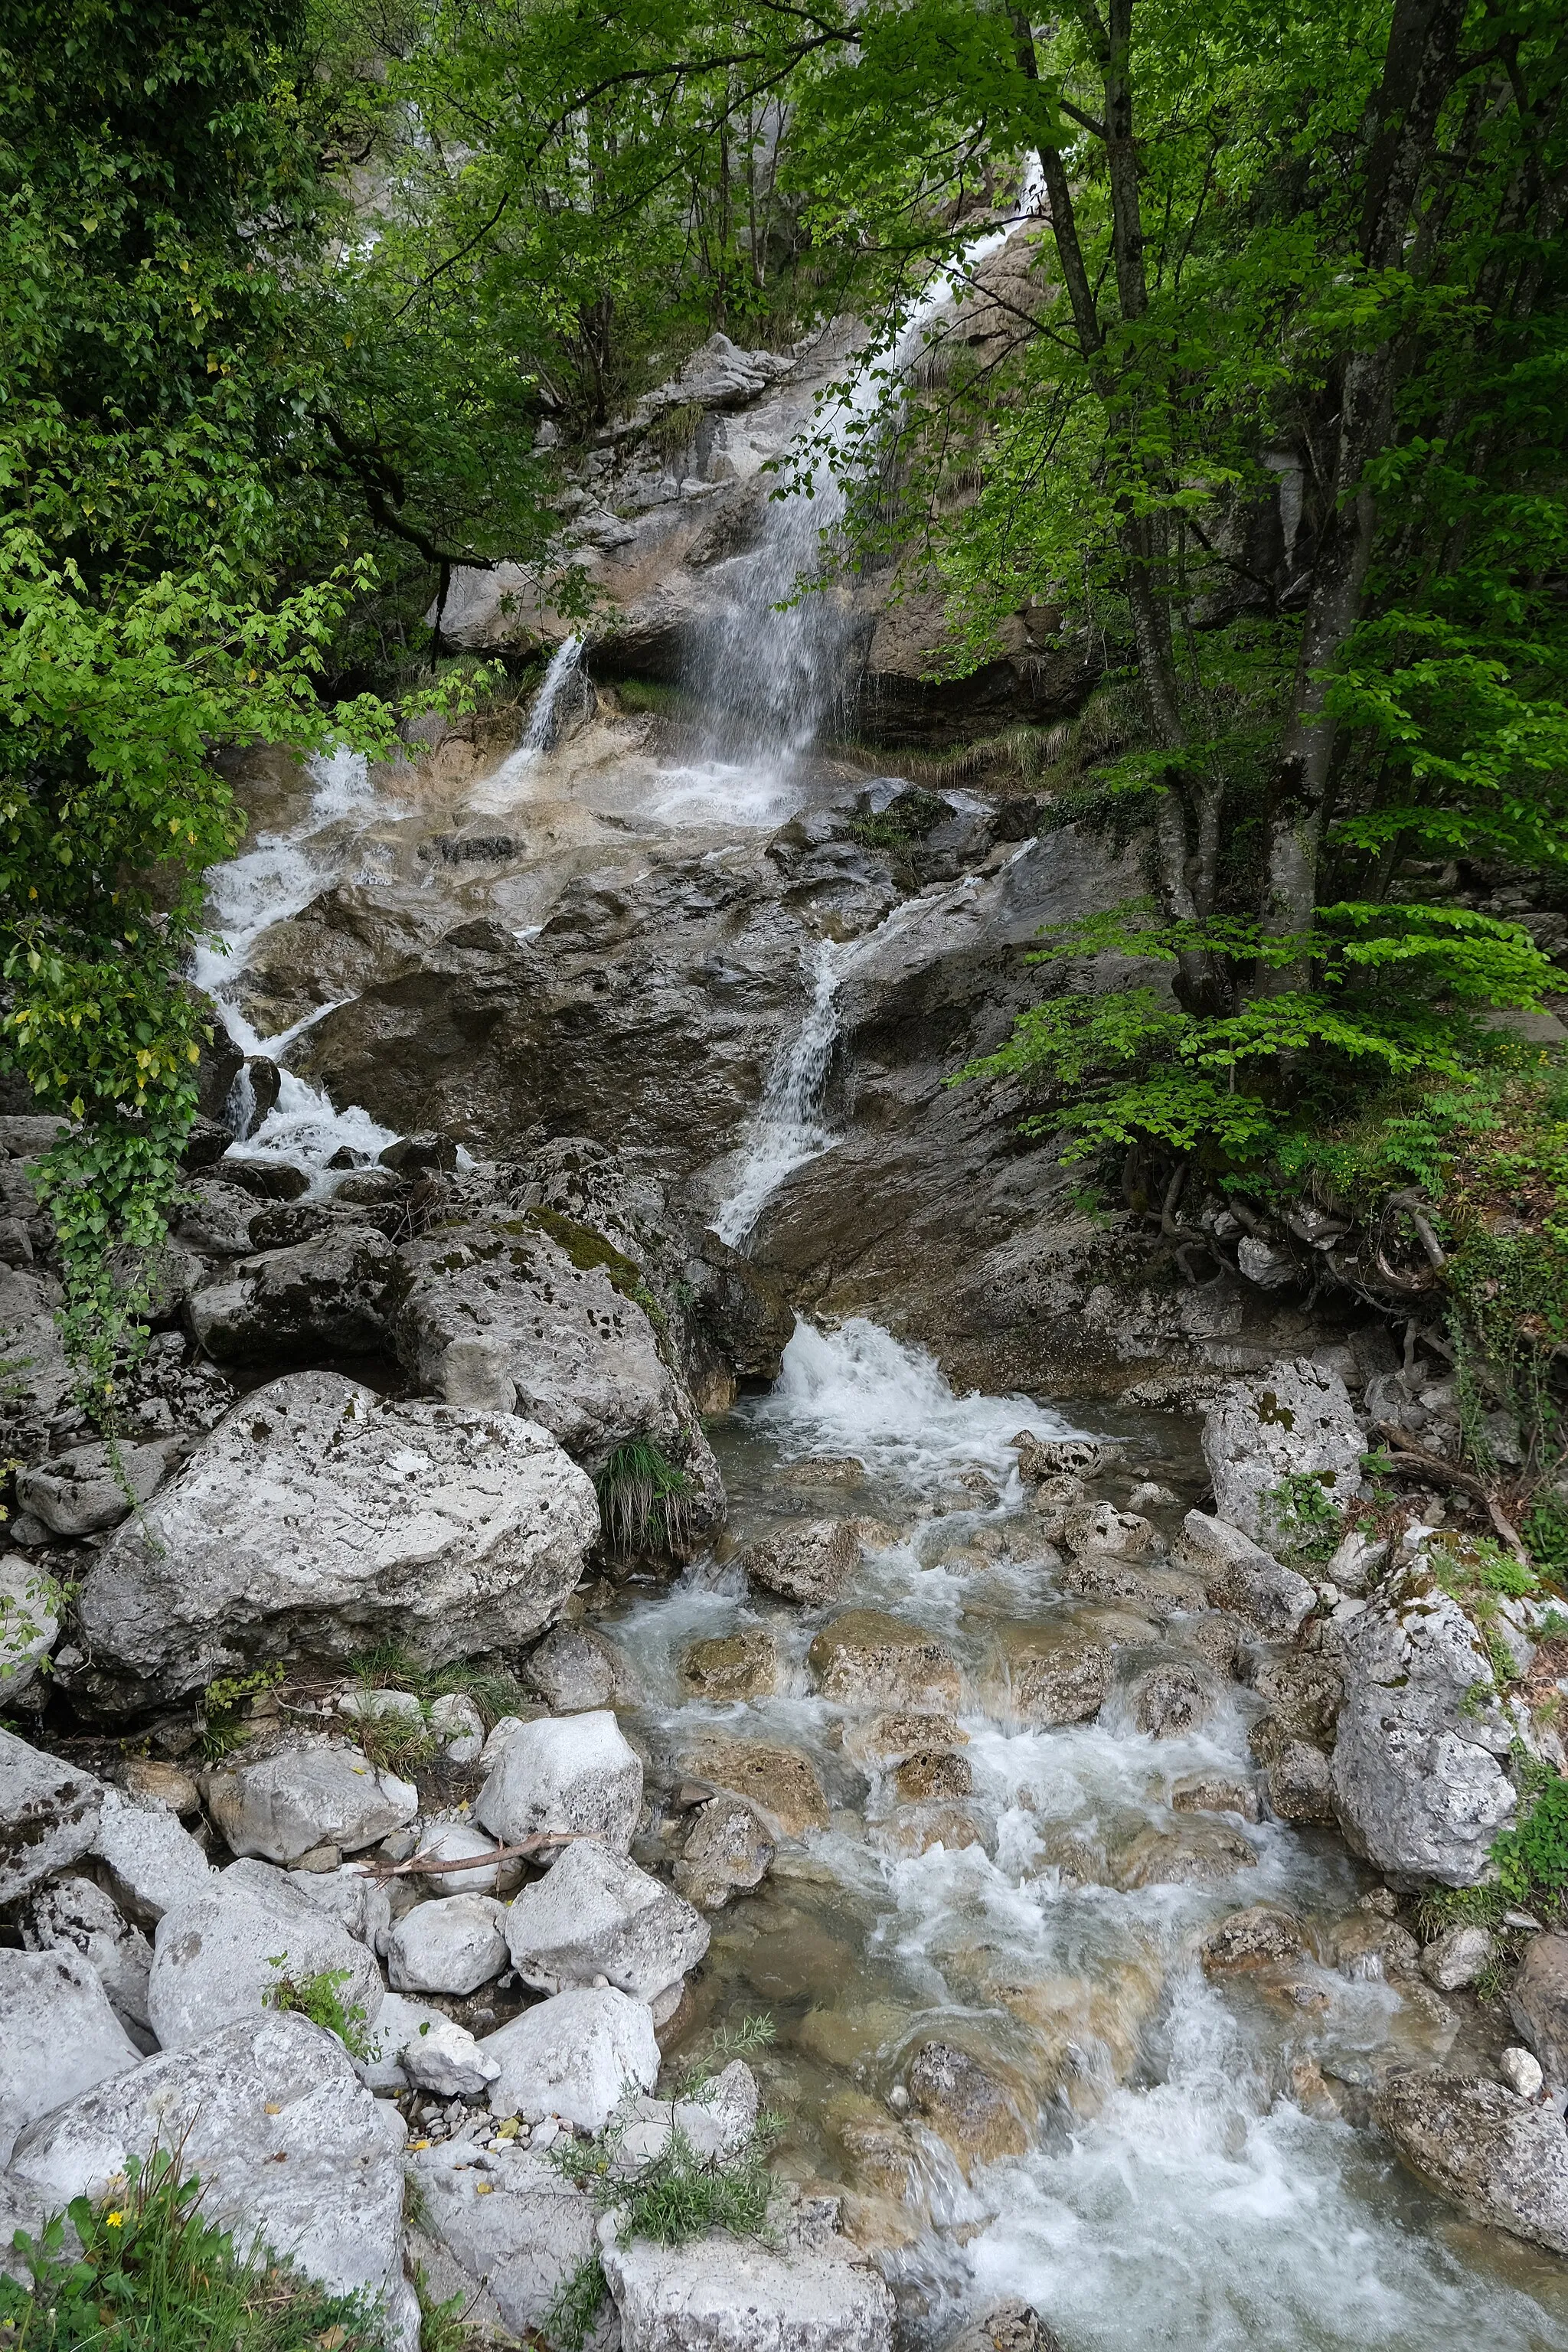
443, 2327
644, 1501
1475, 1568
142, 2271
319, 1997
1300, 1521
222, 1729
1532, 1859
395, 1742
1545, 1532
903, 823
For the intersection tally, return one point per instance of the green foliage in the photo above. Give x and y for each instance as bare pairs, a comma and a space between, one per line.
395, 1742
644, 1500
319, 1997
494, 1689
222, 1726
904, 822
1532, 1859
142, 2271
1300, 1521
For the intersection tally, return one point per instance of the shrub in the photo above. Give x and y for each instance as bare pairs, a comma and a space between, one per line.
319, 1997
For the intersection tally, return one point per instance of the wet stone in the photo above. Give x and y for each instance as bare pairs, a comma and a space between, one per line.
1054, 1682
732, 1665
726, 1852
781, 1783
1212, 1792
825, 1470
866, 1659
808, 1563
1171, 1699
883, 1739
966, 2105
1256, 1937
933, 1772
1198, 1852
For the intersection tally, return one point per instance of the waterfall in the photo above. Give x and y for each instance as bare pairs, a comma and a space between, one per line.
545, 719
770, 676
787, 1129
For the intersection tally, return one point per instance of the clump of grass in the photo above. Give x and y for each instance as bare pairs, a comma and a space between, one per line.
904, 820
645, 1501
222, 1728
321, 1999
494, 1689
142, 2271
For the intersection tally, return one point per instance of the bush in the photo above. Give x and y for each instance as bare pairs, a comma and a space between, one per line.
142, 2271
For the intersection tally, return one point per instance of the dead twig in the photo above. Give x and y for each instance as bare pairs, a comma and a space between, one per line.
1414, 1461
435, 1865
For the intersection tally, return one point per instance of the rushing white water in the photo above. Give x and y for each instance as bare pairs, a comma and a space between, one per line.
266, 885
545, 719
771, 664
787, 1129
859, 1391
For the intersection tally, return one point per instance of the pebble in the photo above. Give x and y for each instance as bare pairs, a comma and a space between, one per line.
1521, 2072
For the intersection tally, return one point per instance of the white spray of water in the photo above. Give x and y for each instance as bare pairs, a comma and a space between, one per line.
544, 719
859, 1391
787, 1129
771, 676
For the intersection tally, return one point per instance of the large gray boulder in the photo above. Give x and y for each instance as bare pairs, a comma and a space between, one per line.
218, 1959
1293, 1419
291, 2147
319, 1517
575, 2056
1240, 1575
299, 1797
453, 1945
1499, 2157
513, 2226
48, 1816
58, 2036
595, 1915
812, 2293
22, 2209
498, 1315
153, 1864
333, 1294
1418, 1780
75, 1915
574, 1774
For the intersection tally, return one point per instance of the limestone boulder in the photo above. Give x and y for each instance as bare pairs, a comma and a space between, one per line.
961, 2100
809, 1562
1240, 1575
1300, 1784
575, 2056
1293, 1419
813, 2292
1538, 2004
300, 1796
1135, 1582
877, 1741
1457, 1959
48, 1816
453, 1944
75, 1915
1173, 1698
573, 1775
359, 1904
1051, 1679
1419, 1782
1500, 2158
1195, 1852
595, 1915
514, 2229
21, 2208
153, 1863
81, 1492
333, 1294
58, 2036
574, 1670
458, 1727
781, 1783
417, 2045
1256, 1937
218, 1959
319, 1517
1102, 1527
743, 1664
291, 2149
868, 1659
726, 1852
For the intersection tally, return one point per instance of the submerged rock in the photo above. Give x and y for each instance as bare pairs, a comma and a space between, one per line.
743, 1664
1293, 1420
1501, 2157
880, 1740
291, 2147
1014, 2326
1196, 1853
1254, 1938
781, 1783
1053, 1680
868, 1659
1172, 1699
972, 2110
319, 1517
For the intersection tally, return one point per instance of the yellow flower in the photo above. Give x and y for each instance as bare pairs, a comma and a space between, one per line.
112, 2220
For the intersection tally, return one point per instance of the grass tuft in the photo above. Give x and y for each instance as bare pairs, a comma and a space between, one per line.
644, 1501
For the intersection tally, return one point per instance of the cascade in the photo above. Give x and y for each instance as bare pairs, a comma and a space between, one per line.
545, 719
786, 1131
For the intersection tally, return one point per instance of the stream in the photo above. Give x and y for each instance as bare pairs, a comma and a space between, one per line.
1184, 2161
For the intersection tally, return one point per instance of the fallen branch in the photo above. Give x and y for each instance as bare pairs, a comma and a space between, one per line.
435, 1865
1414, 1461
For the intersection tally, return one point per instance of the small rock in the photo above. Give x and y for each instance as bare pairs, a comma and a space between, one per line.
1538, 2004
152, 1863
458, 1727
933, 1772
1371, 1948
515, 2247
1071, 1458
421, 2046
390, 1706
866, 1659
1254, 1938
1168, 1700
1521, 2072
1458, 1959
575, 1774
58, 2036
808, 1563
743, 1664
1055, 1681
726, 1852
453, 1944
595, 1915
300, 1797
878, 1740
1212, 1792
1300, 1784
575, 1671
452, 1838
80, 1493
358, 1903
149, 1782
1102, 1527
781, 1783
572, 2056
825, 1470
1008, 2327
970, 2108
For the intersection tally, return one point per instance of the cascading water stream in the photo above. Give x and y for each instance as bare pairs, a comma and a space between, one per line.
787, 1129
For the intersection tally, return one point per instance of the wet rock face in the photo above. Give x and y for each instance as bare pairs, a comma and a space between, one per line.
728, 1850
319, 1517
1500, 2158
1538, 2004
1418, 1778
808, 1563
968, 2106
1294, 1420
